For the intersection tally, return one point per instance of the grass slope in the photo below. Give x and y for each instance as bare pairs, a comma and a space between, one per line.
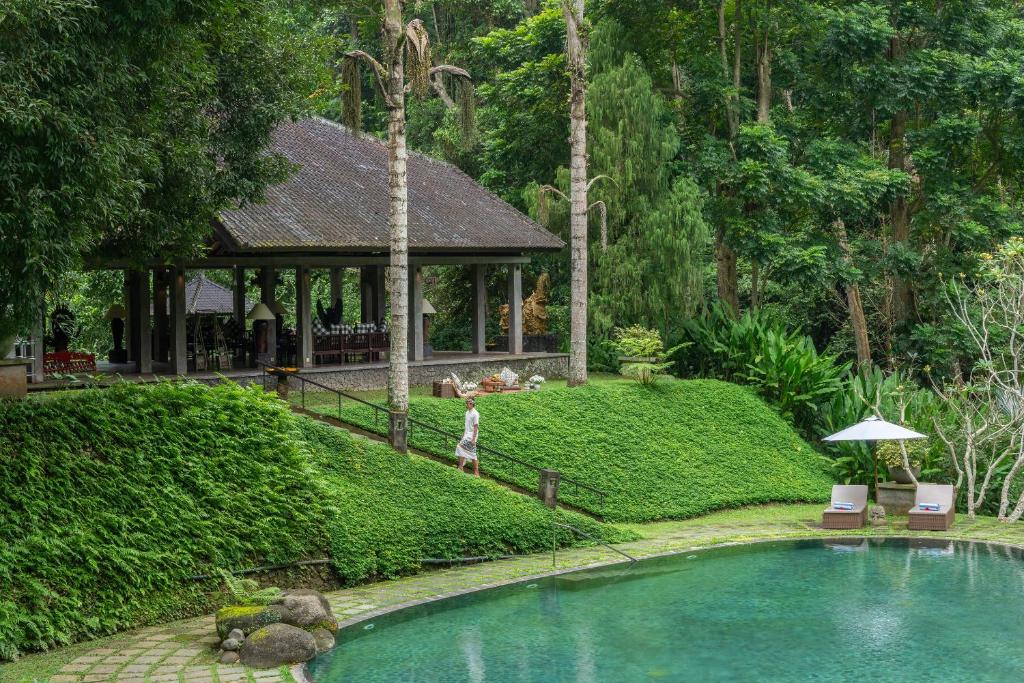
676, 450
111, 499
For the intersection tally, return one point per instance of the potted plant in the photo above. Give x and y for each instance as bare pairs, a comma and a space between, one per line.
889, 454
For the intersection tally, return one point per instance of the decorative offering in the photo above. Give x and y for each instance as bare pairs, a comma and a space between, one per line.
534, 383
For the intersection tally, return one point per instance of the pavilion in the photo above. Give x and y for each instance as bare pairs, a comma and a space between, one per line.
332, 214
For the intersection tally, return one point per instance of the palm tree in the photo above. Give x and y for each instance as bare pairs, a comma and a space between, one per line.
402, 42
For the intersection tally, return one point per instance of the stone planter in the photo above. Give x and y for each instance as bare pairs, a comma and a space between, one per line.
897, 499
902, 476
14, 377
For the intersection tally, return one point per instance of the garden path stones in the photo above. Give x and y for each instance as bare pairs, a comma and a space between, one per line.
276, 645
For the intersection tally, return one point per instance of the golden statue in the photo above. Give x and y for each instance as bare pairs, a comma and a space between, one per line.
535, 314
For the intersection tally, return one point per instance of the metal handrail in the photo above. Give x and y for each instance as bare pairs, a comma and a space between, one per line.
378, 408
587, 536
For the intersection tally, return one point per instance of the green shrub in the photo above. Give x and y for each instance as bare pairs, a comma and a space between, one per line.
391, 510
644, 354
782, 366
110, 499
674, 450
889, 454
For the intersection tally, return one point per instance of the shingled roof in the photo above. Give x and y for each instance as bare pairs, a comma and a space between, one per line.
338, 200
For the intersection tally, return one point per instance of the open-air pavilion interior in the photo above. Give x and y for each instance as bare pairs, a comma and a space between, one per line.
329, 216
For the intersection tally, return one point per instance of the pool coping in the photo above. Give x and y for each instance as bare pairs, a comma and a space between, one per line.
301, 674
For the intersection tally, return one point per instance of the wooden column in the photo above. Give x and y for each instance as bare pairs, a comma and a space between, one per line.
379, 293
268, 282
303, 318
238, 297
337, 285
178, 341
515, 308
415, 313
160, 324
38, 345
130, 277
140, 322
478, 274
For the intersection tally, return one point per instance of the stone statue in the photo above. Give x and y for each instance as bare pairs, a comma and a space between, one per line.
877, 516
535, 313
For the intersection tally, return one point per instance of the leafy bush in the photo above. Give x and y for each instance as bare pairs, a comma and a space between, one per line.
889, 454
111, 499
675, 450
644, 352
390, 510
782, 366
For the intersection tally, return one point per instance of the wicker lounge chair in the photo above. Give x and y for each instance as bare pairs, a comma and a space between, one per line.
928, 520
847, 519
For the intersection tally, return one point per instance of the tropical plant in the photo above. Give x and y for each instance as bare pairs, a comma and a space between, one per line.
890, 454
247, 591
643, 354
782, 366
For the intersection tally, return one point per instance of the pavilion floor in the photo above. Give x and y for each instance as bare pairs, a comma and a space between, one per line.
373, 375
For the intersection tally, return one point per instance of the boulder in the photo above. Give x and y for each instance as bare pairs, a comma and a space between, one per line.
324, 640
229, 658
276, 645
231, 644
308, 609
237, 634
248, 618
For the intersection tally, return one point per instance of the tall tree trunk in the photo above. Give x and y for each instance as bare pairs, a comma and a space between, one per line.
755, 284
398, 193
576, 46
725, 258
899, 213
857, 321
764, 79
728, 289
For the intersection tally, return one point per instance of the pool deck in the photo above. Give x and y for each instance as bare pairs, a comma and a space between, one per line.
185, 651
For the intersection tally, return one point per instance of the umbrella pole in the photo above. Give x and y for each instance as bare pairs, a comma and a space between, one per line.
874, 460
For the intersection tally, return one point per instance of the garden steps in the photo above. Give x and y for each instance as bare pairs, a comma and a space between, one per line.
360, 432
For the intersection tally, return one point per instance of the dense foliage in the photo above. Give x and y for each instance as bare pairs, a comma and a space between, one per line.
127, 126
783, 367
111, 499
674, 450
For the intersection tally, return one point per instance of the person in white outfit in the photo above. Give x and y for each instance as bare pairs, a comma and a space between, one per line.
466, 450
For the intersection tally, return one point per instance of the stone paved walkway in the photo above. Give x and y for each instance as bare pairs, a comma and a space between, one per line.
185, 651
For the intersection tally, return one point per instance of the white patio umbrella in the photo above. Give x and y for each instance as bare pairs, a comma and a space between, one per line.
874, 429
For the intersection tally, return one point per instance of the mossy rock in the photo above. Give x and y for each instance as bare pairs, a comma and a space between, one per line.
248, 618
276, 645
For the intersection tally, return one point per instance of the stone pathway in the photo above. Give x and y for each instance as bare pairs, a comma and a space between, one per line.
186, 651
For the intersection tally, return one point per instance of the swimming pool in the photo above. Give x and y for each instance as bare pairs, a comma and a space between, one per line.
809, 610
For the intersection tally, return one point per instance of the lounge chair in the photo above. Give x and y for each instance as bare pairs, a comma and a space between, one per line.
854, 518
933, 520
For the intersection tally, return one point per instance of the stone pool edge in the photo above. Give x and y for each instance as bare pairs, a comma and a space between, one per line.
301, 674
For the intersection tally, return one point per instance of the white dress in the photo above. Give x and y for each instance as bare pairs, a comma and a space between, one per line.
466, 448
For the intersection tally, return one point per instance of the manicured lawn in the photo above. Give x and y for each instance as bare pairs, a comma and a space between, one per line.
676, 450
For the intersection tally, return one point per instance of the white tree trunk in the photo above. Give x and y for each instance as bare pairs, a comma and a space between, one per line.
576, 52
398, 194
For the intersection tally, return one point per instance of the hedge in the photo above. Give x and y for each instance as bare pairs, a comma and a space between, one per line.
674, 450
111, 499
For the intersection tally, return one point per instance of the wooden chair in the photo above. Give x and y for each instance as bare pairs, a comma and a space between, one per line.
380, 343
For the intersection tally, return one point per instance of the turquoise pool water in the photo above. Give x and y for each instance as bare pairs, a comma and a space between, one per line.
887, 610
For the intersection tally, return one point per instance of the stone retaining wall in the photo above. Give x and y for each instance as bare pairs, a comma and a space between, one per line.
371, 377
